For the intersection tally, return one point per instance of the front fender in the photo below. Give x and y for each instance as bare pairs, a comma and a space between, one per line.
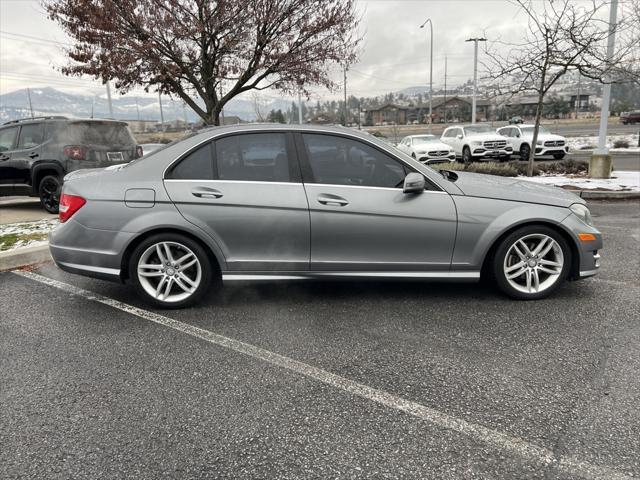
481, 221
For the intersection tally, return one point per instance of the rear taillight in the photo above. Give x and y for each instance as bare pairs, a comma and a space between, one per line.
139, 151
69, 204
75, 152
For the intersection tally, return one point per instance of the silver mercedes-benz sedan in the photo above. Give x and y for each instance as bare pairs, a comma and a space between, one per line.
285, 202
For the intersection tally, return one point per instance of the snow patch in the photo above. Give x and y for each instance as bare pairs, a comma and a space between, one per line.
619, 181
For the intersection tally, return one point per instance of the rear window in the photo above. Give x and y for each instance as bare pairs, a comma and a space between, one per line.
94, 133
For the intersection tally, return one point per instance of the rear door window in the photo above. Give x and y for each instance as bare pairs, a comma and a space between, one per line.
257, 157
8, 138
31, 136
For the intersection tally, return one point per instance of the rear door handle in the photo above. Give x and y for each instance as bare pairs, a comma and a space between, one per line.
32, 155
333, 200
206, 192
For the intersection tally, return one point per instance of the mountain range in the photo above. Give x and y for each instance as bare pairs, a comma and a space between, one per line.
50, 101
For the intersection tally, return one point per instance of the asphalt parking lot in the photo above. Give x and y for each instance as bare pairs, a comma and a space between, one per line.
326, 380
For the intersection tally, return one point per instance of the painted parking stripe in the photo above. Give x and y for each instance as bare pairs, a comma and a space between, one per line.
531, 452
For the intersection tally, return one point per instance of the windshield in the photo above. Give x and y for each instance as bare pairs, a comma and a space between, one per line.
424, 139
473, 129
529, 130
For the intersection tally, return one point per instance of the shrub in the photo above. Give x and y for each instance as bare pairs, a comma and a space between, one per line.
489, 168
621, 143
587, 147
515, 168
565, 167
378, 134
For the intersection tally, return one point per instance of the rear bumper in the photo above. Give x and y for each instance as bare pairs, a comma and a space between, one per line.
86, 251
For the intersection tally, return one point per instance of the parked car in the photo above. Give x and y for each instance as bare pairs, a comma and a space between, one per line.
322, 203
477, 142
427, 149
630, 117
521, 138
36, 153
516, 120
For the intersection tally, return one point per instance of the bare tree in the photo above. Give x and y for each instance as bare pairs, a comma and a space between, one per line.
189, 47
564, 36
259, 107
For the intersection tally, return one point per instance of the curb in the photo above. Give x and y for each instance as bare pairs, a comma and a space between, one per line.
612, 195
21, 257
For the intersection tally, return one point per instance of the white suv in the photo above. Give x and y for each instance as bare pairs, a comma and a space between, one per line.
477, 142
521, 136
427, 149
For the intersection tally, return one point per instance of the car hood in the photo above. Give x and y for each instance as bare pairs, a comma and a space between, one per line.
432, 146
514, 189
491, 137
547, 137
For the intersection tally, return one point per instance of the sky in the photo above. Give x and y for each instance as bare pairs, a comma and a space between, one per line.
394, 54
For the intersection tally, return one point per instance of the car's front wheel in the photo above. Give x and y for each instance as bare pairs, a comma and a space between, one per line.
525, 151
49, 193
531, 262
170, 270
466, 155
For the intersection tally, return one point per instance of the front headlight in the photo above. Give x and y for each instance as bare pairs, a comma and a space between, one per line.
539, 142
582, 212
421, 152
476, 142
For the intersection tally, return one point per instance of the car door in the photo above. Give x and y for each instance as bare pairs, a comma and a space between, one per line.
360, 218
27, 152
245, 191
8, 174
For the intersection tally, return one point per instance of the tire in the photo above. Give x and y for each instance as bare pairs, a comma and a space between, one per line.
525, 151
515, 265
558, 156
187, 284
49, 193
466, 156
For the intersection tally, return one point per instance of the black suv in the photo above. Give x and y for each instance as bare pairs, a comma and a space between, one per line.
36, 153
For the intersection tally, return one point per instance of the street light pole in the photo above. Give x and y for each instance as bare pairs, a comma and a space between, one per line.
606, 93
475, 75
428, 20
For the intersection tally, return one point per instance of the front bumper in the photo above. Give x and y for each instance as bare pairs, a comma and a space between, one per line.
541, 150
429, 159
482, 153
588, 262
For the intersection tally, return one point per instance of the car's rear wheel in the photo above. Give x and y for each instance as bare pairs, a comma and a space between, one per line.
525, 151
49, 193
170, 270
466, 155
531, 262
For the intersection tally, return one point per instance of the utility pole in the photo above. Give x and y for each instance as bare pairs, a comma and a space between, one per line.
428, 20
578, 96
600, 162
184, 112
137, 108
161, 114
30, 104
475, 75
109, 99
300, 104
345, 94
93, 102
444, 105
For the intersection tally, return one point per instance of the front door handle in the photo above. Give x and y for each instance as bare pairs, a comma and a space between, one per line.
333, 200
32, 155
206, 192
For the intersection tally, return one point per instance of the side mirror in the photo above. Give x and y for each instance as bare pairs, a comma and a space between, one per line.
413, 183
459, 136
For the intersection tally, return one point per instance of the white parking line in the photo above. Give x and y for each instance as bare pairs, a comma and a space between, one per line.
531, 452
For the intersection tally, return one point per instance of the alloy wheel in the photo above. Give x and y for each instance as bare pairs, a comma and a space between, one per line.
50, 193
169, 271
533, 263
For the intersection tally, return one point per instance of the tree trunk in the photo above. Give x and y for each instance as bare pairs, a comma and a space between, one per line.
534, 140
